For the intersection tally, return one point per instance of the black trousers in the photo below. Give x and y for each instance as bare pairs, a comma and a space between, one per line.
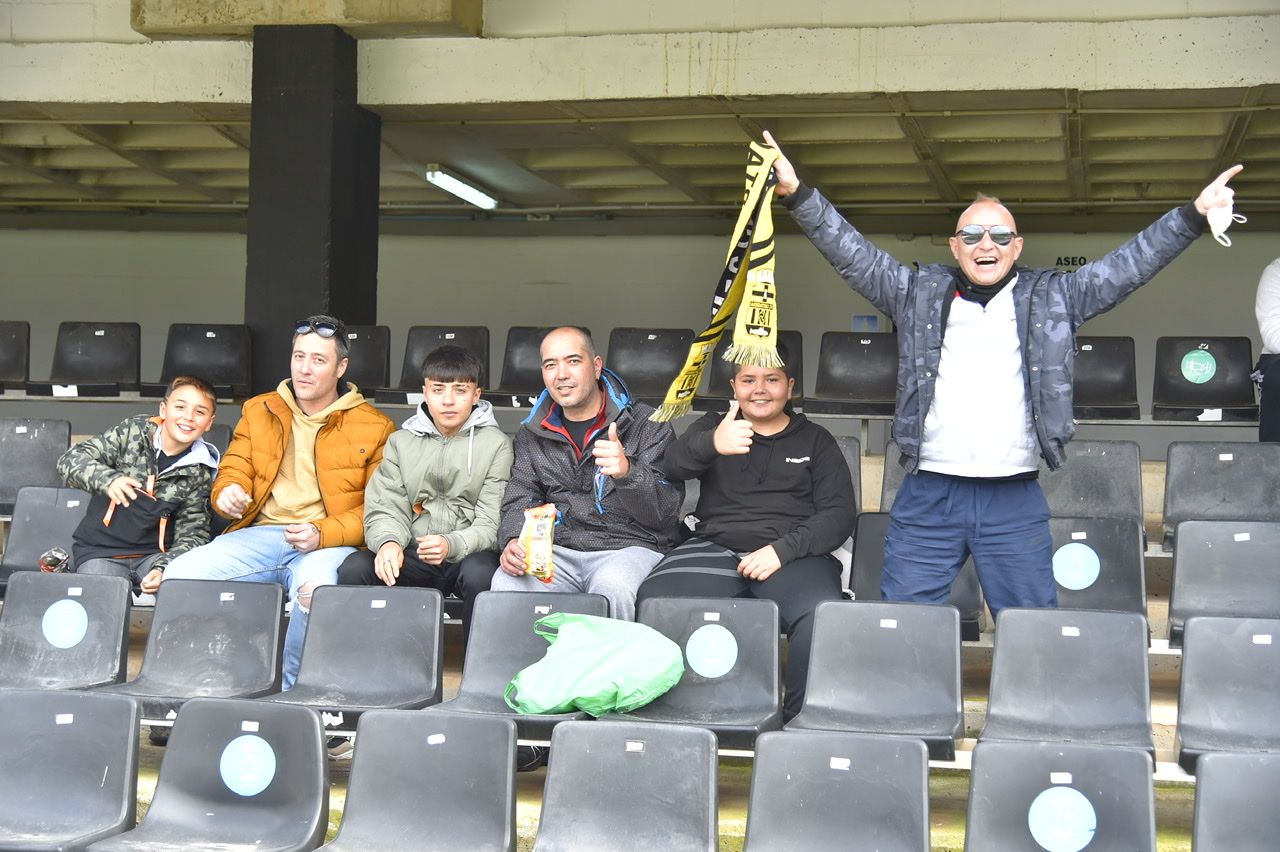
1269, 404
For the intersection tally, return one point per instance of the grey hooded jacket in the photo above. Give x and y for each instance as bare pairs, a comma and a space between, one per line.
1050, 303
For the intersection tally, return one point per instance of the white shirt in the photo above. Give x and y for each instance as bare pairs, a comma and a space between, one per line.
1267, 308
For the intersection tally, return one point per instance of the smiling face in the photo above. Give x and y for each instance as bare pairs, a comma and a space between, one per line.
984, 262
571, 372
187, 414
762, 393
315, 369
450, 403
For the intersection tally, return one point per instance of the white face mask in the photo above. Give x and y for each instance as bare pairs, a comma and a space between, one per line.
1220, 218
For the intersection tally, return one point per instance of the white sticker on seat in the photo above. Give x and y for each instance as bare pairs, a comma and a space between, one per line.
541, 609
1241, 537
712, 651
1076, 565
1262, 638
1086, 347
435, 739
211, 334
1061, 819
1226, 456
1080, 536
841, 763
653, 337
449, 335
889, 623
99, 332
65, 624
20, 430
66, 390
1068, 630
380, 603
635, 746
64, 718
711, 616
224, 597
248, 765
353, 335
249, 727
75, 592
1059, 777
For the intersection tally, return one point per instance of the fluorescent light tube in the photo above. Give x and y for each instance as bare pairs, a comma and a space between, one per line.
441, 179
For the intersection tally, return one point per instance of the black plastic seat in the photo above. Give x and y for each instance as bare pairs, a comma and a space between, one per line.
29, 451
851, 448
717, 395
208, 638
421, 341
857, 374
1098, 563
824, 790
731, 682
219, 435
1101, 479
15, 353
1106, 379
1074, 676
1196, 375
369, 648
97, 358
648, 359
868, 568
221, 354
1059, 796
43, 517
629, 785
502, 643
886, 668
64, 631
1229, 695
521, 368
1220, 481
1227, 568
1236, 802
70, 769
368, 357
466, 761
237, 775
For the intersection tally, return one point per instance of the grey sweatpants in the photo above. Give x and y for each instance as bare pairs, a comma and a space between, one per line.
616, 574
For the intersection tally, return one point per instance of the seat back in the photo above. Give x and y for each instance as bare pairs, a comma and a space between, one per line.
108, 353
851, 448
466, 760
29, 451
722, 371
1059, 796
43, 517
1236, 801
648, 359
1197, 373
645, 786
1101, 479
1220, 481
219, 435
820, 789
1227, 568
422, 339
369, 357
522, 361
70, 768
1098, 563
15, 353
221, 354
1106, 379
64, 631
859, 370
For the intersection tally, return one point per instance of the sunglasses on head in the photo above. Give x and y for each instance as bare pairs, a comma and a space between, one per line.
324, 329
1001, 235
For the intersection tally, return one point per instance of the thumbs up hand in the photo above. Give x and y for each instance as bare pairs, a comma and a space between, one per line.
610, 457
733, 436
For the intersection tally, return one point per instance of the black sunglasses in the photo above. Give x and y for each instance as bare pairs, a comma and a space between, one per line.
1001, 235
324, 329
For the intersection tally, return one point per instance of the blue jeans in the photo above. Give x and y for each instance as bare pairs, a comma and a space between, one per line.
260, 555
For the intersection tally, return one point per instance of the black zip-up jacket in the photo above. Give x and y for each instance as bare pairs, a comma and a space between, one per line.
793, 490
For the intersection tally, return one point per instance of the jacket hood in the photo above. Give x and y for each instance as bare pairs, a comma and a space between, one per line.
420, 422
349, 397
201, 452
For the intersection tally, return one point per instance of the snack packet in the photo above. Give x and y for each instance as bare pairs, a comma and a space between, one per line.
536, 538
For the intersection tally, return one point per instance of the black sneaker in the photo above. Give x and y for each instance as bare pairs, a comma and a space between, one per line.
159, 736
340, 748
529, 758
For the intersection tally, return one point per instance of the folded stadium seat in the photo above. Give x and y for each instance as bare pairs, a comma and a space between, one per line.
1098, 564
521, 368
1101, 479
419, 343
43, 517
369, 648
886, 668
1220, 481
857, 374
629, 785
431, 782
1227, 568
369, 357
1229, 695
825, 790
731, 681
1070, 676
721, 371
1059, 796
1106, 379
64, 631
70, 769
221, 354
29, 451
1203, 378
237, 775
1236, 802
868, 567
648, 359
15, 353
93, 359
502, 643
208, 638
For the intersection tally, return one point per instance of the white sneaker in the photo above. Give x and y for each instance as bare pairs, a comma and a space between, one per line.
341, 748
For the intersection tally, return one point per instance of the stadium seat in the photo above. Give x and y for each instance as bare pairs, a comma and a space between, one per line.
1098, 563
868, 567
886, 668
220, 354
1219, 481
502, 643
369, 357
64, 631
822, 790
29, 451
208, 638
857, 374
1060, 796
420, 342
720, 371
1106, 379
852, 449
626, 785
369, 648
43, 517
1227, 568
431, 782
1236, 803
731, 676
15, 353
70, 769
1101, 479
648, 359
1198, 376
1070, 676
521, 368
219, 435
96, 358
1229, 695
237, 775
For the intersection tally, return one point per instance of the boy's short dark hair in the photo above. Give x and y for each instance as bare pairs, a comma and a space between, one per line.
196, 382
783, 352
450, 363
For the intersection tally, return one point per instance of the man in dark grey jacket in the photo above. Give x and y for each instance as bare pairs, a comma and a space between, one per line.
985, 357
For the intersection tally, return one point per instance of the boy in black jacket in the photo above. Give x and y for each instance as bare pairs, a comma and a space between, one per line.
776, 499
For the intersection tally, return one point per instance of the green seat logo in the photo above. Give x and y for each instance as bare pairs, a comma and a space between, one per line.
1198, 366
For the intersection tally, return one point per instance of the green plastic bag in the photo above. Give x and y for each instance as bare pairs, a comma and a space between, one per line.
597, 665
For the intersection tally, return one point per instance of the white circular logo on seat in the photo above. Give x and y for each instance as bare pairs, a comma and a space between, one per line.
248, 765
65, 624
1061, 819
1076, 566
1199, 366
711, 651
